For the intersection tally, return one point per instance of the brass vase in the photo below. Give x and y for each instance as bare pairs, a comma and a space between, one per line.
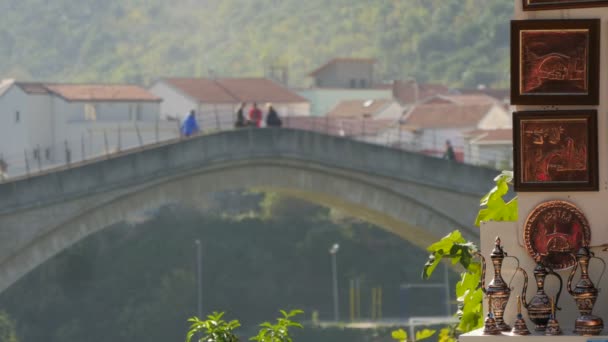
585, 295
539, 307
497, 290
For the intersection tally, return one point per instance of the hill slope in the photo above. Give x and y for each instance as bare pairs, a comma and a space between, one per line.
460, 42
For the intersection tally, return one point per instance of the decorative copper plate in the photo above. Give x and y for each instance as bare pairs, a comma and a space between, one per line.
554, 231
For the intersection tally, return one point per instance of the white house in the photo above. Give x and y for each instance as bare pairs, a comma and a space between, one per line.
216, 100
50, 123
492, 148
432, 123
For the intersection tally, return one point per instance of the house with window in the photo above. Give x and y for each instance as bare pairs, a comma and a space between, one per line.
353, 73
52, 122
217, 100
489, 147
428, 126
342, 79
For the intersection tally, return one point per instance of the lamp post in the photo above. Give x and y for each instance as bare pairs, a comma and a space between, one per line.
199, 281
334, 268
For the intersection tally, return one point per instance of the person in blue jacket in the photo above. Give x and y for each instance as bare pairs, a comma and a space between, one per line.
189, 125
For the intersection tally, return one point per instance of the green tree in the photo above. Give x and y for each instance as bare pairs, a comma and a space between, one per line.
7, 328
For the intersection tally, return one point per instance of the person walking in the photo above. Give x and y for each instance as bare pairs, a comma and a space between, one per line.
3, 170
449, 151
255, 116
240, 116
189, 125
272, 118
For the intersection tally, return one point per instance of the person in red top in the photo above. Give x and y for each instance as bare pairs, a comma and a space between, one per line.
255, 116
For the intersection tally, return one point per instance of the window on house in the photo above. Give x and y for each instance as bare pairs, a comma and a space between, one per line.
353, 83
17, 116
362, 83
90, 112
138, 112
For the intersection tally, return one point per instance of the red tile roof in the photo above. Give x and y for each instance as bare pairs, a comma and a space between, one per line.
411, 92
102, 92
358, 108
499, 94
447, 115
90, 92
342, 60
460, 99
234, 90
491, 135
33, 88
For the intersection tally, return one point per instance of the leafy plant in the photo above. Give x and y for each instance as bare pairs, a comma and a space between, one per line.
214, 329
401, 335
7, 328
278, 332
459, 250
497, 209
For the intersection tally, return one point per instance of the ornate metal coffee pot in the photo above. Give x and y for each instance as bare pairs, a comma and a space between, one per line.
539, 307
497, 291
585, 295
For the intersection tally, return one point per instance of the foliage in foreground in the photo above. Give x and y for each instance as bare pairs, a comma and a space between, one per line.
7, 328
460, 251
496, 208
278, 332
215, 329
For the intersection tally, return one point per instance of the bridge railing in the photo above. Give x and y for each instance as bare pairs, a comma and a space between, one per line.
102, 140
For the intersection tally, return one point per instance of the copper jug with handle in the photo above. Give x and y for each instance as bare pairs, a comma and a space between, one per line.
585, 294
539, 308
497, 290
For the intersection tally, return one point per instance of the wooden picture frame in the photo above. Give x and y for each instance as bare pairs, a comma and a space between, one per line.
555, 150
555, 62
537, 5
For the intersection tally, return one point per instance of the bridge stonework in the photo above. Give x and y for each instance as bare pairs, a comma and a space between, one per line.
416, 197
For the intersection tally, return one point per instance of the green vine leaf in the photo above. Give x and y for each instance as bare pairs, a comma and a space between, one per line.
423, 334
496, 209
399, 335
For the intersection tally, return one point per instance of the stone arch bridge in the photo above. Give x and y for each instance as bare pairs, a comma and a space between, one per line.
416, 197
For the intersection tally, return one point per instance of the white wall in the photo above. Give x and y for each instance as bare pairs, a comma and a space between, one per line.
392, 111
496, 118
592, 204
174, 103
499, 156
14, 136
434, 139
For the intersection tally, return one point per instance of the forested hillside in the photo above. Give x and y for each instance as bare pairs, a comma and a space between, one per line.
459, 42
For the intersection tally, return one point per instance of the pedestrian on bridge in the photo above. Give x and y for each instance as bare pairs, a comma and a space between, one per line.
241, 121
189, 125
272, 118
449, 153
3, 169
255, 116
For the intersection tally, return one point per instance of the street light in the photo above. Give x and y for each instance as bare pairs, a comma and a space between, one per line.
334, 268
199, 283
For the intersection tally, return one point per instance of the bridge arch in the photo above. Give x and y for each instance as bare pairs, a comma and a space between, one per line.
390, 188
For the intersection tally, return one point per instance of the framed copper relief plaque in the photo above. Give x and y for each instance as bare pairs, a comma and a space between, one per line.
555, 150
555, 230
534, 5
555, 62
